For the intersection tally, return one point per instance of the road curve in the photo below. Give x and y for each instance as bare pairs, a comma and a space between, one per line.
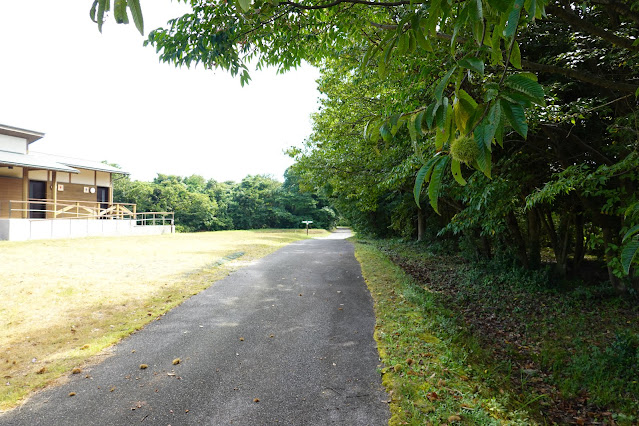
286, 340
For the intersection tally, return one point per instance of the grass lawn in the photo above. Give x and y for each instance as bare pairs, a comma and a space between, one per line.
65, 301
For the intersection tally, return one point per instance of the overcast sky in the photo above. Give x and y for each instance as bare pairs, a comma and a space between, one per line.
106, 97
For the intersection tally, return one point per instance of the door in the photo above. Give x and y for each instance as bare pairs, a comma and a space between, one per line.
37, 191
103, 198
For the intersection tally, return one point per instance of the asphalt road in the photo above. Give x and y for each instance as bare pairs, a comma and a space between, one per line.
285, 340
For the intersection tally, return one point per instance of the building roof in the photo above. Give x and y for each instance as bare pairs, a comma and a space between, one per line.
81, 163
32, 161
30, 135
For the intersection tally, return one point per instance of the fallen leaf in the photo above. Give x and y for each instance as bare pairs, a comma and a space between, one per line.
454, 418
71, 393
241, 339
256, 400
76, 370
42, 370
176, 361
143, 366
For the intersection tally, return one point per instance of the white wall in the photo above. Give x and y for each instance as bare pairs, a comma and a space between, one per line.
13, 144
28, 229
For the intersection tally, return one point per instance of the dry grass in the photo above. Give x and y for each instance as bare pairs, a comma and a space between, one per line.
64, 301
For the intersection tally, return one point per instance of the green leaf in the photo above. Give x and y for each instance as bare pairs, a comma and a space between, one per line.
385, 132
103, 6
443, 135
422, 41
513, 19
423, 175
435, 185
411, 128
136, 14
631, 232
528, 87
119, 12
92, 12
484, 159
474, 64
455, 169
402, 45
441, 86
515, 56
244, 4
628, 254
465, 107
502, 6
516, 116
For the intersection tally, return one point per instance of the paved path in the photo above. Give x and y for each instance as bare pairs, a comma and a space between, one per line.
293, 330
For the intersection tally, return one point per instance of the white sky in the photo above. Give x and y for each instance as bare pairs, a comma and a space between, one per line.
106, 97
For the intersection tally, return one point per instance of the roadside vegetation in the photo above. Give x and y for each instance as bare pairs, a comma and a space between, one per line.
65, 302
256, 202
487, 343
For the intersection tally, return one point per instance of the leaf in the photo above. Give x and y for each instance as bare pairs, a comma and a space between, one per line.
515, 56
443, 135
136, 14
628, 254
528, 87
474, 64
422, 41
465, 107
484, 159
513, 19
119, 12
93, 10
412, 131
103, 6
455, 168
435, 185
439, 90
423, 175
385, 132
244, 4
516, 116
630, 233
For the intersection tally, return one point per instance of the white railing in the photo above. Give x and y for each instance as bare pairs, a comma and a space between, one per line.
37, 209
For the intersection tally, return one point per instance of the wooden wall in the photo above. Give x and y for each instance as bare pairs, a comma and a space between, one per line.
10, 189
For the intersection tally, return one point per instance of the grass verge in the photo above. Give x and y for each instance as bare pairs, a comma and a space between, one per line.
65, 301
548, 352
434, 371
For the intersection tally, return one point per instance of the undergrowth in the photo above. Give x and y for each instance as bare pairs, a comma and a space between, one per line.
553, 352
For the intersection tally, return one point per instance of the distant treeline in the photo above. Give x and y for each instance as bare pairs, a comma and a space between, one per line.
207, 205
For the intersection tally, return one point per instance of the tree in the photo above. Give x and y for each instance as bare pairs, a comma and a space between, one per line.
482, 94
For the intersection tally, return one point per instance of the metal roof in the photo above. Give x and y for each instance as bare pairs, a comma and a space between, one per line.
81, 163
30, 135
32, 161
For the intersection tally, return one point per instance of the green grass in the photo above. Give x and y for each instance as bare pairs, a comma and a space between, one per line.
552, 352
65, 301
434, 371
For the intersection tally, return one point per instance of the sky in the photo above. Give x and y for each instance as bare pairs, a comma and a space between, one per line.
106, 97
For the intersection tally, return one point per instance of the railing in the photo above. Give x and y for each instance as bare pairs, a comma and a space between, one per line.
37, 209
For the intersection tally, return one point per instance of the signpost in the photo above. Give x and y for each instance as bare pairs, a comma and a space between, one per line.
307, 222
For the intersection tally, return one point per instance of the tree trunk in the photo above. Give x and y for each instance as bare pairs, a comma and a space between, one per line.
518, 240
608, 236
534, 238
580, 251
420, 224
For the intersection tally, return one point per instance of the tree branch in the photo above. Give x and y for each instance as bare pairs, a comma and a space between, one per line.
336, 2
584, 76
581, 24
620, 8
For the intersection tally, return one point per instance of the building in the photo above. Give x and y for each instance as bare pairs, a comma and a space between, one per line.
49, 196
